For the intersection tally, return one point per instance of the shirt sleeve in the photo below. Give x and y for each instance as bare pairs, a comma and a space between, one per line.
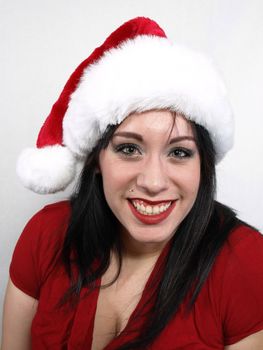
38, 248
24, 265
242, 287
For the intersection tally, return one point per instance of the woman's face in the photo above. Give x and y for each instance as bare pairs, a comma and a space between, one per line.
151, 175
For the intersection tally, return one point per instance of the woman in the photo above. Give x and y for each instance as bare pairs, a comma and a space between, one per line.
142, 256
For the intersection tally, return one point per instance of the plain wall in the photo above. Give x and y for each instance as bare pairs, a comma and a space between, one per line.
42, 42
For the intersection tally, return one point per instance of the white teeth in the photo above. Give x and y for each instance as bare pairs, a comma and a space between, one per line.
156, 209
149, 209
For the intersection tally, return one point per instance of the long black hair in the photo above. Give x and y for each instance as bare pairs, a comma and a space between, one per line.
93, 233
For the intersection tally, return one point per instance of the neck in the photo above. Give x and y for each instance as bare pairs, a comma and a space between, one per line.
134, 250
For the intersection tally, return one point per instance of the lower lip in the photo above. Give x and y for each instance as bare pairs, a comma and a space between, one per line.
151, 219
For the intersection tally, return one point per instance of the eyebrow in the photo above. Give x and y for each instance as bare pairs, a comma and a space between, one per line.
138, 137
130, 135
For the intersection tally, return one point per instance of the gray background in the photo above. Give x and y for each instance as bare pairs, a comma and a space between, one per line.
42, 42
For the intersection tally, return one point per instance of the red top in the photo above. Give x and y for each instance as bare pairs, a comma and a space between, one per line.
228, 308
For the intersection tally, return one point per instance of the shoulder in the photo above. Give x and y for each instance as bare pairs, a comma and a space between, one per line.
243, 233
47, 227
243, 243
240, 239
45, 231
58, 212
49, 221
241, 254
53, 221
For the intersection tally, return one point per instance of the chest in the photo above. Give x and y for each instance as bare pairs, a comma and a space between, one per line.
102, 314
115, 306
96, 321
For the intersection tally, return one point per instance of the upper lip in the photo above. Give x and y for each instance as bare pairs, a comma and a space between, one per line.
152, 202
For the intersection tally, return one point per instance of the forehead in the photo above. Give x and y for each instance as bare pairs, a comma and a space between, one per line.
157, 122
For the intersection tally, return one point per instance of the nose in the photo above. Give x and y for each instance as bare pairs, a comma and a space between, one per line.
153, 178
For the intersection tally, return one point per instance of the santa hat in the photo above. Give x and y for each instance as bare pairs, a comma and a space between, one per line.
136, 69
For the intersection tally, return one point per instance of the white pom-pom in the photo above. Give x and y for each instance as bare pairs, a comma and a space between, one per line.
46, 170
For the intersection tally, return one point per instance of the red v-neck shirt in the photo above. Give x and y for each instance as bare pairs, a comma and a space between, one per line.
228, 308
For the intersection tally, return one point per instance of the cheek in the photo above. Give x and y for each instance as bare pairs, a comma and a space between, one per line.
115, 176
190, 180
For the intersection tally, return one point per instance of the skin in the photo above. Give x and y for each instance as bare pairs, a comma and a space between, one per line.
141, 156
19, 311
155, 172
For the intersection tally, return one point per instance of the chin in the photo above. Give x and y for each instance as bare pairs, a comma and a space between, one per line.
150, 235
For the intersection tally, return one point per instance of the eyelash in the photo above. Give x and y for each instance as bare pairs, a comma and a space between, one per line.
121, 149
182, 152
179, 152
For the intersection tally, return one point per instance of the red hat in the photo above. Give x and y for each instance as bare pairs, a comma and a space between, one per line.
136, 69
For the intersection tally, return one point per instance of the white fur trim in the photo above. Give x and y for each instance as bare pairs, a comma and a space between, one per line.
143, 74
46, 170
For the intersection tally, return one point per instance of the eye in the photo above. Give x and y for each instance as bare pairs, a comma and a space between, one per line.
128, 149
181, 153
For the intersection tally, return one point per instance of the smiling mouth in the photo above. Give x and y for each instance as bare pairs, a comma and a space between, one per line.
151, 213
148, 209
